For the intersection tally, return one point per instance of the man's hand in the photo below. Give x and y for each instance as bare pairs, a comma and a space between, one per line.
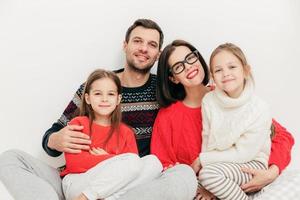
260, 179
98, 151
196, 165
69, 139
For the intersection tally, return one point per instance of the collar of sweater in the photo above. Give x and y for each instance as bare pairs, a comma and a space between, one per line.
227, 102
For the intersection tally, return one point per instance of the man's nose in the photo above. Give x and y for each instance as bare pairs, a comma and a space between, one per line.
143, 47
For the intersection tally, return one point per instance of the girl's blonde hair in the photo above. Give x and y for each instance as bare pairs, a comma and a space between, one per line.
236, 51
87, 110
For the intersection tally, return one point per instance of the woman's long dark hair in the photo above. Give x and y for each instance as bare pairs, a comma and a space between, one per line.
168, 92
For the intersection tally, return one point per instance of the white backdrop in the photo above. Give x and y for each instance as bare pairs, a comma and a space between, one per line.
47, 48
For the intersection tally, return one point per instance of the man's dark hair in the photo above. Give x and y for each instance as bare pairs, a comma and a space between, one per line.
146, 23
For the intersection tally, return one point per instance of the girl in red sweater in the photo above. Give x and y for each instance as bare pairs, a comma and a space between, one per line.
182, 82
111, 166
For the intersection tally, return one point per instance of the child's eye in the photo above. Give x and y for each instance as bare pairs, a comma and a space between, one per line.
217, 70
232, 67
111, 94
97, 93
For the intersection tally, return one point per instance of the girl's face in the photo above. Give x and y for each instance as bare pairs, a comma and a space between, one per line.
192, 74
103, 97
228, 73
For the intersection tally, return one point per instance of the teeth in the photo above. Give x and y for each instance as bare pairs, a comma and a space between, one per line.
192, 74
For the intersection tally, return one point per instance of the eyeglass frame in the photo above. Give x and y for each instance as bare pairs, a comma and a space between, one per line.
195, 52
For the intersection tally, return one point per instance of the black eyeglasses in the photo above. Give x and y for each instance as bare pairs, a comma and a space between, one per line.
191, 58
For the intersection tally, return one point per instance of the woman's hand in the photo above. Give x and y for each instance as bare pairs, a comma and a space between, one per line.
196, 165
98, 151
260, 179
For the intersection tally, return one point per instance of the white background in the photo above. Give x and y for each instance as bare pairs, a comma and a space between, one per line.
47, 49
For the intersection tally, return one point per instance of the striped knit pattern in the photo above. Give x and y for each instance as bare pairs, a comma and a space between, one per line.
224, 179
139, 109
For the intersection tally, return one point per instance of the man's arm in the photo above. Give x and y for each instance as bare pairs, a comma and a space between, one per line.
54, 128
62, 138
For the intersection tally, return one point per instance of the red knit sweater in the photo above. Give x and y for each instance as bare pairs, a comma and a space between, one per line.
81, 162
176, 137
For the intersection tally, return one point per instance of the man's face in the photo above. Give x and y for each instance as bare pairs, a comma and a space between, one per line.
142, 49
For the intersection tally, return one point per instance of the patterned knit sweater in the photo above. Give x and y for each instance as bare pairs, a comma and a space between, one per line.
139, 109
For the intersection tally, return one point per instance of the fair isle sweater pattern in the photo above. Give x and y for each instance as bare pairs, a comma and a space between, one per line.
139, 109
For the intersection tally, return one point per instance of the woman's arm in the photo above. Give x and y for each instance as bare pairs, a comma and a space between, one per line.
161, 140
260, 179
282, 143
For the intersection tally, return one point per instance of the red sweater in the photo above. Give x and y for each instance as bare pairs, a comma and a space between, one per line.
176, 137
81, 162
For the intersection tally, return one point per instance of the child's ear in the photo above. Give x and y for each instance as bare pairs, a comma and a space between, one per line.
119, 98
247, 70
173, 79
87, 98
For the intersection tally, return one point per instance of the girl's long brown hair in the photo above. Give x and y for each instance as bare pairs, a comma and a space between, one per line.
86, 109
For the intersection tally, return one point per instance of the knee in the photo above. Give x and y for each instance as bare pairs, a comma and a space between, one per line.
186, 181
151, 162
186, 172
10, 156
134, 164
208, 173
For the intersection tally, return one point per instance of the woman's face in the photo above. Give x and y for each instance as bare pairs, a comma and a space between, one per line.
191, 74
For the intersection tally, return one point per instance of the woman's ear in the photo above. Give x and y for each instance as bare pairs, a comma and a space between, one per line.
173, 79
87, 98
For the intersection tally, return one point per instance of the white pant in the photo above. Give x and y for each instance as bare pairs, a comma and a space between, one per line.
113, 177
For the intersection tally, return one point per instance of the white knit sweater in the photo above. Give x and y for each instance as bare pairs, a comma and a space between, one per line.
235, 129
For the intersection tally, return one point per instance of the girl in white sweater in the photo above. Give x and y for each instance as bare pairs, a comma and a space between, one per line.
236, 127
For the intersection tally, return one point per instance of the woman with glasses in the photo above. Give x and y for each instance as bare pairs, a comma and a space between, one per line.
182, 82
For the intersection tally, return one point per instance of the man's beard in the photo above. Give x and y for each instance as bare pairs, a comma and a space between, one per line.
143, 71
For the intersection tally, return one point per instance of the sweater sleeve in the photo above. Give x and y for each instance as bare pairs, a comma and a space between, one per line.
161, 145
81, 162
282, 144
130, 145
248, 145
71, 111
